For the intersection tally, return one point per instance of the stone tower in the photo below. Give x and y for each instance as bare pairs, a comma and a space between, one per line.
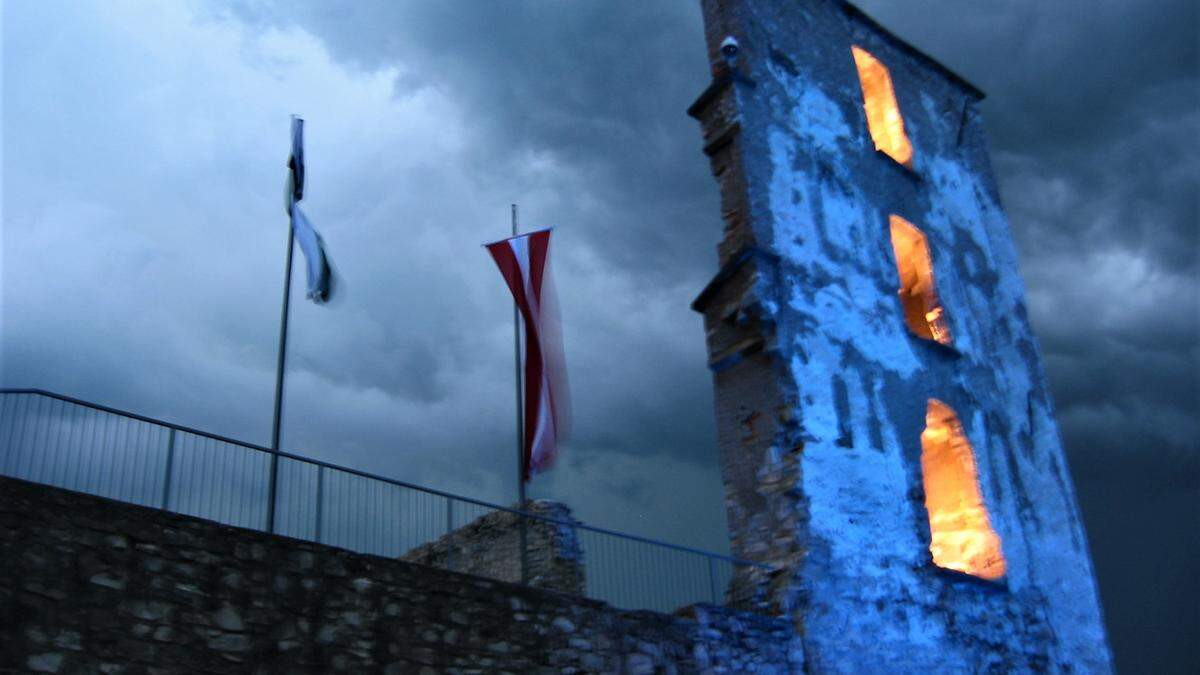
887, 438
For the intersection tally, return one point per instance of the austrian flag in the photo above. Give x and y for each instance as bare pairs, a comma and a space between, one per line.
523, 260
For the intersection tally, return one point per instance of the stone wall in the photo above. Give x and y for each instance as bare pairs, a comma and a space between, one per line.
490, 546
821, 389
92, 585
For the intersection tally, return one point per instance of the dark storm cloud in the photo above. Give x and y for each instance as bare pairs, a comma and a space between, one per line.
598, 94
426, 119
1091, 109
600, 88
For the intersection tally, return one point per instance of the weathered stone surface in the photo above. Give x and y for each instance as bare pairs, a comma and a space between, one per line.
228, 618
489, 546
821, 389
44, 663
362, 614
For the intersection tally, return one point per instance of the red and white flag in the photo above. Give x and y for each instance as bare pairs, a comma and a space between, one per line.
523, 260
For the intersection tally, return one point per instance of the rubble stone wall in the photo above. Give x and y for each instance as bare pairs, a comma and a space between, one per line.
490, 546
821, 389
92, 585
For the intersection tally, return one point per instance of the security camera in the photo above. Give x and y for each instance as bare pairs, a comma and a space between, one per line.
729, 48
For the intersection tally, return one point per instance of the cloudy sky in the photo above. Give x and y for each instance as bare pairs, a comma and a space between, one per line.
143, 238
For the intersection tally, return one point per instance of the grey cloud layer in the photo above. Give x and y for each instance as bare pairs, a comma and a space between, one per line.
426, 119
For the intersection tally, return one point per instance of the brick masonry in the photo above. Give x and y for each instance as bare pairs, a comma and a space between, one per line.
91, 585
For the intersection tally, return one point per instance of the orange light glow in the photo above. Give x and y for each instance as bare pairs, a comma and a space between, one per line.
923, 311
962, 537
883, 114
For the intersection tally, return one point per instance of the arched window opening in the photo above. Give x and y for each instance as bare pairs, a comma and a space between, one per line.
923, 311
883, 114
961, 535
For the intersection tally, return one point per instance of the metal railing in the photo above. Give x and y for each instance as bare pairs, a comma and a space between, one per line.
77, 445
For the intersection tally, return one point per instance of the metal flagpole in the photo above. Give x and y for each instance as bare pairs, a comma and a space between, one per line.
520, 425
279, 366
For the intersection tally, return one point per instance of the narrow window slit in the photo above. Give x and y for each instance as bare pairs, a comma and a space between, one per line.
923, 311
961, 534
883, 113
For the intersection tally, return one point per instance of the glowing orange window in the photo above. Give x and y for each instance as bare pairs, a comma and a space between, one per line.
923, 311
883, 114
962, 537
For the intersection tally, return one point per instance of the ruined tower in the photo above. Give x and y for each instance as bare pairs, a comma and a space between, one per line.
887, 437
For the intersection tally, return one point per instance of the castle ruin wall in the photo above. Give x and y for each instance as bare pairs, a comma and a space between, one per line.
822, 389
93, 585
490, 546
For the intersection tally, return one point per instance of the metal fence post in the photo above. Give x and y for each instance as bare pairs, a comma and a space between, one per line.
271, 488
712, 579
320, 501
166, 492
449, 534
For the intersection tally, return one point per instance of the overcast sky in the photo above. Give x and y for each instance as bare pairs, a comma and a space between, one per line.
143, 237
